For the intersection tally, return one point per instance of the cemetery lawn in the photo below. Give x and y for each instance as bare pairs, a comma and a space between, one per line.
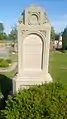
8, 74
58, 67
13, 57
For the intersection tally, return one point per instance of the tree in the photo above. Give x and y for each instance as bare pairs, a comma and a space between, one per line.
57, 36
13, 34
52, 33
64, 39
3, 35
1, 28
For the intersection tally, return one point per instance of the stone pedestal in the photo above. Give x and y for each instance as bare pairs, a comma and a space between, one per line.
30, 79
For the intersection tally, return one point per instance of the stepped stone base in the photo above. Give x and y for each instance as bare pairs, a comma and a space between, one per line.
26, 80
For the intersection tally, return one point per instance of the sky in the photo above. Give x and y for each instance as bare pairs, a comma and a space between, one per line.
10, 11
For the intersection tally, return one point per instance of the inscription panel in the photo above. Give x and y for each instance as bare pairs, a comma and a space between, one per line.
32, 52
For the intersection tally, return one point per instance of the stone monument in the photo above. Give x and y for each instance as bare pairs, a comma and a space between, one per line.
33, 48
59, 44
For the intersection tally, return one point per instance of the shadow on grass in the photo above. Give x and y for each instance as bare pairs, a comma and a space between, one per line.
5, 85
60, 50
5, 88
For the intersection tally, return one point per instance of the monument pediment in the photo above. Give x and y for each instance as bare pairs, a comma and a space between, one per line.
33, 15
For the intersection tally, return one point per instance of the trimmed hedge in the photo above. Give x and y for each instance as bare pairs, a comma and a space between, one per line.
47, 101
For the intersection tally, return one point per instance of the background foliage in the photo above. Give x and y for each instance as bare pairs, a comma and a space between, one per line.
64, 39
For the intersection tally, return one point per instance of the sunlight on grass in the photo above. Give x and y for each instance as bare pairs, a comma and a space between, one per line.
14, 57
58, 66
9, 74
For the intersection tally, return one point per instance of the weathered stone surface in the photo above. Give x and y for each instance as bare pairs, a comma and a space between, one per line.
33, 48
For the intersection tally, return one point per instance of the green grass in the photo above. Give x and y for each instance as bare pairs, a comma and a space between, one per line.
14, 57
8, 74
58, 66
57, 69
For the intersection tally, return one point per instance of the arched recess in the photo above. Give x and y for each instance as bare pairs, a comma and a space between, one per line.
32, 52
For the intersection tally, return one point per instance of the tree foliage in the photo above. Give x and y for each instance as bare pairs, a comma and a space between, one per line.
1, 28
57, 36
52, 33
64, 39
13, 34
3, 35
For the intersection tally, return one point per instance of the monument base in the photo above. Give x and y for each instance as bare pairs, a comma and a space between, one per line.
26, 80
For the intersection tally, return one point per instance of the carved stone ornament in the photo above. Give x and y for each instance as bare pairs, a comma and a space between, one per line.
23, 31
43, 32
45, 18
21, 20
33, 18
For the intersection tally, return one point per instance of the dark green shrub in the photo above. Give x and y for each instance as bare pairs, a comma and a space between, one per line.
47, 101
